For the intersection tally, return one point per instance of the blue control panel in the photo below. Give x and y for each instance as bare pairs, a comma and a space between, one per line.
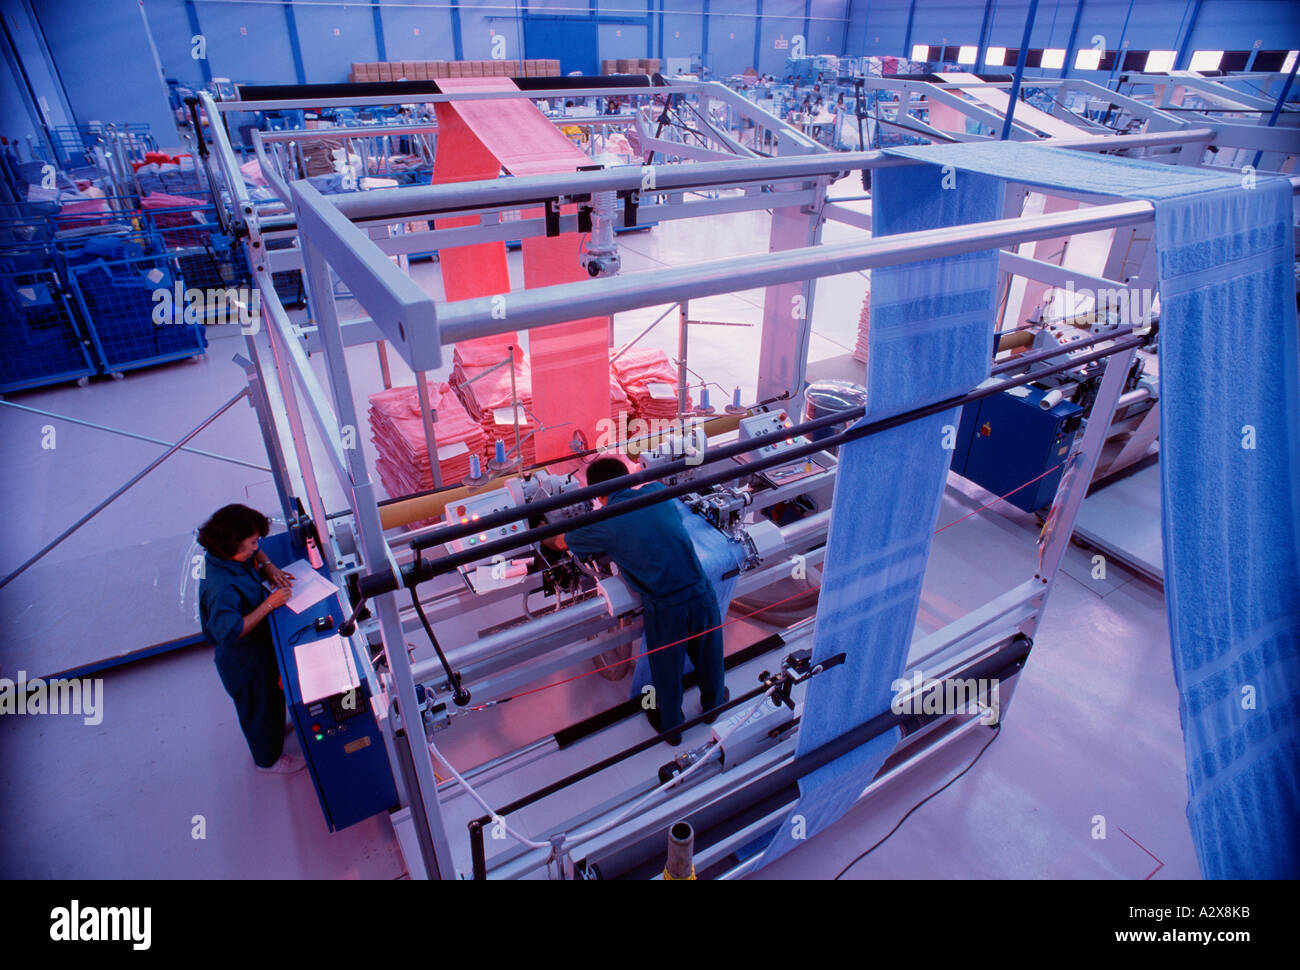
339, 734
1008, 439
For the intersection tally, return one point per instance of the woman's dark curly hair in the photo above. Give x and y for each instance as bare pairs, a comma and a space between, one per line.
229, 526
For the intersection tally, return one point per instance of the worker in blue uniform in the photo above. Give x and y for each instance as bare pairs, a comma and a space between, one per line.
655, 555
233, 610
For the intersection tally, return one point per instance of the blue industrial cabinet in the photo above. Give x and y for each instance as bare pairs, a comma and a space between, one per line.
340, 736
1007, 440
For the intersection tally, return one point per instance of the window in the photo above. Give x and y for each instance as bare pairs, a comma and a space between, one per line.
1160, 61
920, 52
1206, 60
1053, 58
1088, 59
995, 56
967, 53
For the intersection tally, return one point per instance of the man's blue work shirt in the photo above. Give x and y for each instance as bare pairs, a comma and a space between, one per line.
651, 546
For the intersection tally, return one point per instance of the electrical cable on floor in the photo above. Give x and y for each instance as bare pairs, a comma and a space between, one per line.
996, 731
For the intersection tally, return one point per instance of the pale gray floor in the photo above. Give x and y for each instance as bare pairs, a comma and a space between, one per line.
1093, 729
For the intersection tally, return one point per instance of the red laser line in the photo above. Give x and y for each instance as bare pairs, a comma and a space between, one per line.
743, 616
1000, 498
588, 673
1146, 850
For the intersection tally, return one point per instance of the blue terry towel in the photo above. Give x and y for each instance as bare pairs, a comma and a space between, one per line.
1230, 465
931, 338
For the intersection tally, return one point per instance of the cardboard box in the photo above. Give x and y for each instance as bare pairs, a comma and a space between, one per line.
385, 71
435, 69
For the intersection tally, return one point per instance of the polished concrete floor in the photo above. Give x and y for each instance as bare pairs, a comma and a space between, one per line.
1093, 729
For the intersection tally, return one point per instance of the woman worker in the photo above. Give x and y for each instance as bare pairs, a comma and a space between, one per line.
233, 607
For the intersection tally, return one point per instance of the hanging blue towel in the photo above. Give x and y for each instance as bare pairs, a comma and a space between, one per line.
1230, 473
1230, 467
931, 338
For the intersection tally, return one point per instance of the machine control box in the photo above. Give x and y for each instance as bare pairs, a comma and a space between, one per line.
467, 510
770, 422
339, 733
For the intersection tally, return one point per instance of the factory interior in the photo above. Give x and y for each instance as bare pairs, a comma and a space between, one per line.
650, 440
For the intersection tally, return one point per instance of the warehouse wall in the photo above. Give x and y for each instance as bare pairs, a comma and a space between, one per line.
881, 26
101, 54
251, 40
104, 58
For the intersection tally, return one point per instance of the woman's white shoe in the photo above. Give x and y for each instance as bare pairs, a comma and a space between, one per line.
287, 765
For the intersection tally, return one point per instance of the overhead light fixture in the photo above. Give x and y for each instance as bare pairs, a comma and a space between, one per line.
1206, 60
1053, 58
995, 56
967, 53
1088, 59
920, 52
1160, 60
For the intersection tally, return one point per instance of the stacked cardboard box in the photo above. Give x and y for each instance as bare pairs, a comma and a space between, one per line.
644, 65
432, 70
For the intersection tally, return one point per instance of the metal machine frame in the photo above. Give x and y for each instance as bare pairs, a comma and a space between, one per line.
334, 235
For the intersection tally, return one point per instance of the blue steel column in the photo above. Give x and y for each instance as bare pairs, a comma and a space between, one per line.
984, 37
294, 47
456, 46
380, 47
1277, 108
704, 36
1119, 47
193, 16
1020, 69
1184, 43
1069, 44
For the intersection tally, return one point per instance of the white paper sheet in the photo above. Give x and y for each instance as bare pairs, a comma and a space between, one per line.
309, 586
325, 668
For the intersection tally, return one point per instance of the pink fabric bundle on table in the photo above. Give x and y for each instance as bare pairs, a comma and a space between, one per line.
619, 402
649, 379
487, 399
397, 431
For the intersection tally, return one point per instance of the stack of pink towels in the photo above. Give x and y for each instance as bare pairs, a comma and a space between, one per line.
397, 432
864, 324
490, 394
649, 379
